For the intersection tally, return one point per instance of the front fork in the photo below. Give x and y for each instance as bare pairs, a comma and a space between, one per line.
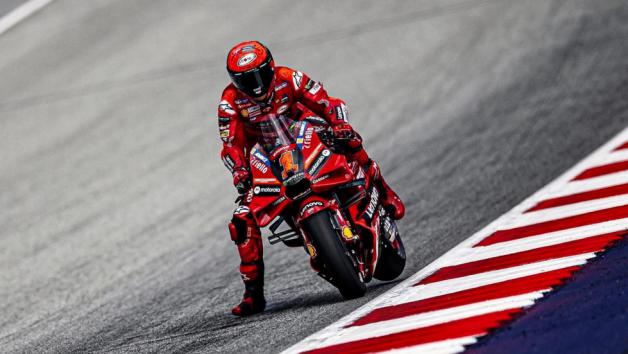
352, 242
345, 232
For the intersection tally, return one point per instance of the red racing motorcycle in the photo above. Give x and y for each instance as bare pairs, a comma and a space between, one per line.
323, 203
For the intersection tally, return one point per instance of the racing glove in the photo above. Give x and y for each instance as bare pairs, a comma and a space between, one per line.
242, 180
342, 131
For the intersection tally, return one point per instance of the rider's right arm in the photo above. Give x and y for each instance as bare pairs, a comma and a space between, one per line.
232, 135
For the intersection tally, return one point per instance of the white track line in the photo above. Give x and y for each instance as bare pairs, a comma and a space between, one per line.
406, 292
20, 13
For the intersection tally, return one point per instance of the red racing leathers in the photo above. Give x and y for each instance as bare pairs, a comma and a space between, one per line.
295, 95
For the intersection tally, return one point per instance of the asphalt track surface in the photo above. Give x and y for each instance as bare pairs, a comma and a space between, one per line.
115, 203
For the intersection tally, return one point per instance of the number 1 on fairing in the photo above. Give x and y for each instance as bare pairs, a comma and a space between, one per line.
287, 163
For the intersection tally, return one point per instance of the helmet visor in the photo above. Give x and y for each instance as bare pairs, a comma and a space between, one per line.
256, 82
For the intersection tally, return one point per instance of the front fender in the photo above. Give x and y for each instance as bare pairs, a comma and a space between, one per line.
311, 205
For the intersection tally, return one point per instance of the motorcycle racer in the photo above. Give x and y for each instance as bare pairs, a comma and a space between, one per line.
259, 87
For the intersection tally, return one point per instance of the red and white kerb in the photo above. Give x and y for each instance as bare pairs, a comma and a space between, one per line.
496, 273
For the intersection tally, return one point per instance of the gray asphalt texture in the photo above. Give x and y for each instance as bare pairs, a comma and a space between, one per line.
115, 203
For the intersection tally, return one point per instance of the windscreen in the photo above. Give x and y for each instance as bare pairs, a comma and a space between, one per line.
275, 132
278, 142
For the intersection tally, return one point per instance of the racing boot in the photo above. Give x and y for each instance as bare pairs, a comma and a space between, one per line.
253, 300
390, 200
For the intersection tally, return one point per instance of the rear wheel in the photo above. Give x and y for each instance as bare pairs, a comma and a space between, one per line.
334, 255
392, 257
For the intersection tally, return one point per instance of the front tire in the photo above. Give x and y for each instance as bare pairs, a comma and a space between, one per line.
334, 255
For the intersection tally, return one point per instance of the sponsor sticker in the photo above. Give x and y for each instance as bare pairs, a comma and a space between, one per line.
320, 161
278, 201
345, 114
224, 106
282, 109
307, 207
302, 129
302, 194
321, 178
261, 157
300, 136
253, 112
248, 48
242, 209
346, 233
263, 190
370, 210
228, 162
246, 59
260, 166
311, 250
339, 114
315, 88
308, 84
308, 137
280, 86
294, 179
316, 120
297, 76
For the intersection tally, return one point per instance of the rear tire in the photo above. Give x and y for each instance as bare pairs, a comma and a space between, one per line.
392, 260
334, 255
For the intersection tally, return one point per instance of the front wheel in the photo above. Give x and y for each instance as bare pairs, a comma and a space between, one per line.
334, 255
